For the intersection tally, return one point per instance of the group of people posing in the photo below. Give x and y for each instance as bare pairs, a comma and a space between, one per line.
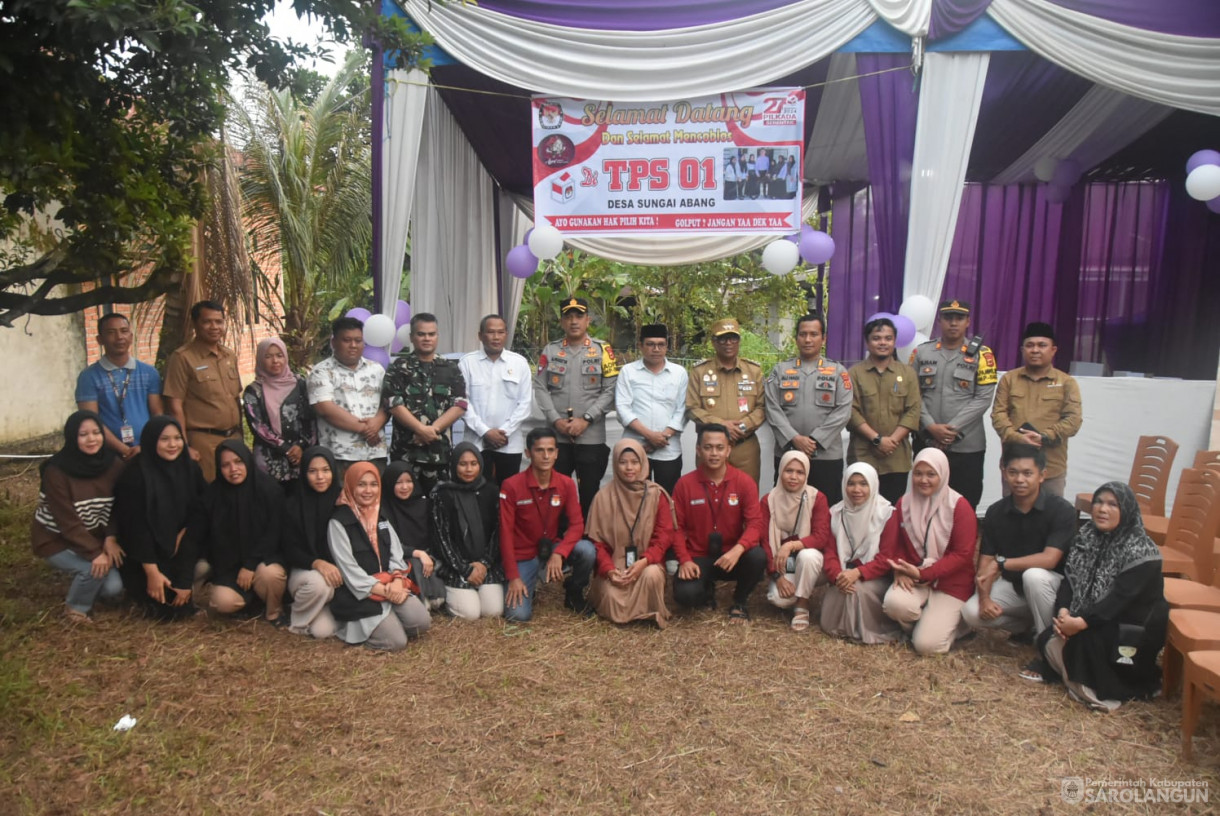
362, 541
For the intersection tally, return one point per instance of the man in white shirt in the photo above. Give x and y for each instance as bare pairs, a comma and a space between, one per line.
345, 392
499, 395
650, 398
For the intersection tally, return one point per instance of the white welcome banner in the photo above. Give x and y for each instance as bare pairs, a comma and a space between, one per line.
724, 164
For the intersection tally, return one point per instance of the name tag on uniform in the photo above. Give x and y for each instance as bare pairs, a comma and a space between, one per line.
694, 502
521, 502
201, 368
383, 525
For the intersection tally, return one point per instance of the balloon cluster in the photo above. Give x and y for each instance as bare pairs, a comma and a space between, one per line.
382, 330
812, 246
1060, 176
912, 324
543, 241
1203, 178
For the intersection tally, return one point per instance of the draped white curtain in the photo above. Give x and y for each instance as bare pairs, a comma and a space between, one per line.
1103, 122
836, 149
1167, 68
911, 17
642, 65
949, 98
453, 259
513, 226
404, 120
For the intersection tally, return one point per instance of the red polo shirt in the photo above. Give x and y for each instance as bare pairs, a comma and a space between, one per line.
702, 505
529, 512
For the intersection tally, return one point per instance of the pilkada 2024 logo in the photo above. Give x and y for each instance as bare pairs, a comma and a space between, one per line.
779, 110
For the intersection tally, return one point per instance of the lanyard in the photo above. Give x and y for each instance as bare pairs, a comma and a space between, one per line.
638, 512
538, 510
120, 396
800, 508
713, 507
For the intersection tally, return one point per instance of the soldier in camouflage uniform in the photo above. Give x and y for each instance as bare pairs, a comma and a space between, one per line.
425, 395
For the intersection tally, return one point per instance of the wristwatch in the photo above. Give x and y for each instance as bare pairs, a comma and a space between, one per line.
876, 441
999, 559
587, 418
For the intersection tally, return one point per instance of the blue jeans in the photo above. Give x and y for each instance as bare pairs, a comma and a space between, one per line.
582, 559
85, 588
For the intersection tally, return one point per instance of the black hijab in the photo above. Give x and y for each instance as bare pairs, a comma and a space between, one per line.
1096, 559
408, 517
170, 486
75, 462
309, 510
465, 497
239, 513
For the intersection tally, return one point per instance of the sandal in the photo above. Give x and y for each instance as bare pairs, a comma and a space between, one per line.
739, 612
800, 620
73, 616
1033, 671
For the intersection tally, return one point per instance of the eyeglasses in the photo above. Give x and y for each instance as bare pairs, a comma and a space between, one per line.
727, 338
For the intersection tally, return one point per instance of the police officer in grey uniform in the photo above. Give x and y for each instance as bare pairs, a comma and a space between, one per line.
575, 390
957, 379
808, 402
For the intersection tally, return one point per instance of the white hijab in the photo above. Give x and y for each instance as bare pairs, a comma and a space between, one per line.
857, 530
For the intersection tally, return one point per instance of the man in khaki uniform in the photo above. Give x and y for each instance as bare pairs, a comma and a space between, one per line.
1039, 405
885, 410
728, 390
203, 388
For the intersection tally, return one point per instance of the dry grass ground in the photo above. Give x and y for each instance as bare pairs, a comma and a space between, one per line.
562, 716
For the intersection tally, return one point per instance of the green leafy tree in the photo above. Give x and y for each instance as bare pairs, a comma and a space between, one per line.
111, 112
306, 185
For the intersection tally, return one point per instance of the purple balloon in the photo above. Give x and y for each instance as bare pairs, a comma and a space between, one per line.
377, 355
360, 313
1200, 158
794, 237
880, 315
904, 330
521, 262
1214, 205
402, 314
817, 247
396, 345
1067, 173
1056, 194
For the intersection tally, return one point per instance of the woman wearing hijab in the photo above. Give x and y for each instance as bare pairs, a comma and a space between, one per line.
278, 412
792, 178
1112, 611
153, 498
72, 527
928, 544
406, 508
797, 520
313, 575
466, 522
237, 532
852, 606
631, 523
378, 603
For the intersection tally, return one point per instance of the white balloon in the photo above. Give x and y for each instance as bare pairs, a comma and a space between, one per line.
904, 353
403, 335
780, 257
545, 242
1203, 183
378, 331
921, 310
1044, 168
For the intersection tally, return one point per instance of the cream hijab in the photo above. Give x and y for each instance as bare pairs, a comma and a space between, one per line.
928, 520
791, 513
857, 530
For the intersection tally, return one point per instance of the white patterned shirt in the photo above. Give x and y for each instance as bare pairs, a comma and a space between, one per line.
355, 390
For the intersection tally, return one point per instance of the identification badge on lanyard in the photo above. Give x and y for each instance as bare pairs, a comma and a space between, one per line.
127, 434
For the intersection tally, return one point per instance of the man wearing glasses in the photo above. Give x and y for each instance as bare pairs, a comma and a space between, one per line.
728, 390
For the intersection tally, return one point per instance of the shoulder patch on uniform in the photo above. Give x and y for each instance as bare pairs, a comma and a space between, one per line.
542, 362
704, 361
846, 380
914, 354
987, 373
609, 364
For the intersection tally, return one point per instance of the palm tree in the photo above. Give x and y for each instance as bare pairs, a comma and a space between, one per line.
306, 181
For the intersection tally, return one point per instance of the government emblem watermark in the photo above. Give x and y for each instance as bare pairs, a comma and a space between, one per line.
1083, 790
